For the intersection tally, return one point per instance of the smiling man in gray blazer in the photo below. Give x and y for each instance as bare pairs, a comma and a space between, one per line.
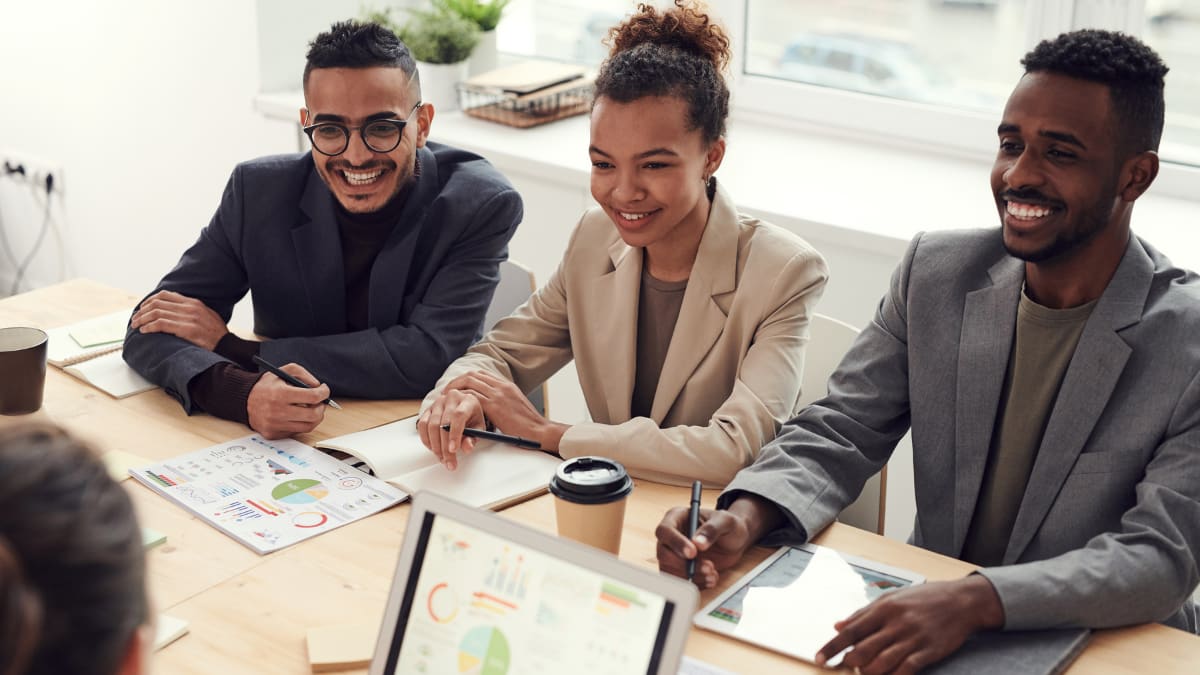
1050, 374
371, 261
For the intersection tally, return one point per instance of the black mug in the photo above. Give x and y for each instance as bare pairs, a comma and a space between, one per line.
22, 369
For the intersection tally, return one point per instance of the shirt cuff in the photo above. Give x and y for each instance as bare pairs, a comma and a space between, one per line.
238, 350
223, 390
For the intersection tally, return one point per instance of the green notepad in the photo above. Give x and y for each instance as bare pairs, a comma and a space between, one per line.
168, 630
104, 330
152, 538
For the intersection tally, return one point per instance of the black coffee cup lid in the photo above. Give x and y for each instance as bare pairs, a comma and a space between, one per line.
591, 480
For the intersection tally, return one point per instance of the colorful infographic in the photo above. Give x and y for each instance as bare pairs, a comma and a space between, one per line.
483, 651
300, 491
494, 608
268, 494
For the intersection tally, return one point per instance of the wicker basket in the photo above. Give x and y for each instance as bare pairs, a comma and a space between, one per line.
528, 110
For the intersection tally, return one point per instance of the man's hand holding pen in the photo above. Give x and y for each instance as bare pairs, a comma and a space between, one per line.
277, 409
720, 541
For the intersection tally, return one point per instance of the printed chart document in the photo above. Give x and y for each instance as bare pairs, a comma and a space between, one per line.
91, 351
492, 476
268, 494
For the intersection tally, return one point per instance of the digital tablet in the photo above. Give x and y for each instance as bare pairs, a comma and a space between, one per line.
478, 594
790, 602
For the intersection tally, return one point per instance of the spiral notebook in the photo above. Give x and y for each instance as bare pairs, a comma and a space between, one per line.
91, 351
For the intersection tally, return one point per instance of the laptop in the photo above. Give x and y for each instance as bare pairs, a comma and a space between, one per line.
476, 593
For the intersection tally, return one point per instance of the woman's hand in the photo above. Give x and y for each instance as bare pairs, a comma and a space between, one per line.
508, 409
459, 409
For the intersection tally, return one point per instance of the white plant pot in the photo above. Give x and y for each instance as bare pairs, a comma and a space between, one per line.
483, 58
438, 82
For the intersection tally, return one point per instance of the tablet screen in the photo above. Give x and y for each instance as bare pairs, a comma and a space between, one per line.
478, 604
789, 567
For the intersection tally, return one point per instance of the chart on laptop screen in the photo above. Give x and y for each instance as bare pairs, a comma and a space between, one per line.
484, 606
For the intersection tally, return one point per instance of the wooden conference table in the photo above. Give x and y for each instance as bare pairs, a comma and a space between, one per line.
250, 613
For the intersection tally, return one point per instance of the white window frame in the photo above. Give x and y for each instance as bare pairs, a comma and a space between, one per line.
929, 128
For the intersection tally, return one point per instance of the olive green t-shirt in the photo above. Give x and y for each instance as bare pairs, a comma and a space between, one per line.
658, 310
1042, 348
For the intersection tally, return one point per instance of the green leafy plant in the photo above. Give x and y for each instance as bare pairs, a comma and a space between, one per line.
434, 36
483, 13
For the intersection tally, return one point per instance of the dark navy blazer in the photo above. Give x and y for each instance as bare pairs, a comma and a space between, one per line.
275, 235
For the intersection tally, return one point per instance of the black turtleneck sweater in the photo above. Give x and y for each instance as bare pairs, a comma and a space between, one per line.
224, 388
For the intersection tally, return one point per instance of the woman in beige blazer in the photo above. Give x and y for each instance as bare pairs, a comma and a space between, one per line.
687, 321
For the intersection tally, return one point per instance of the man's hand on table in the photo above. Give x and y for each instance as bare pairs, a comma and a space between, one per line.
181, 316
906, 630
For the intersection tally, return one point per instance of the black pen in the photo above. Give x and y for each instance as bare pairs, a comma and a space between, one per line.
693, 523
493, 436
277, 372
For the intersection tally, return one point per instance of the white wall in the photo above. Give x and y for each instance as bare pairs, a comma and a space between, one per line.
146, 106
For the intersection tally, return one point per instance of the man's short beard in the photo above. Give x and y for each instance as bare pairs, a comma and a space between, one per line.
1063, 244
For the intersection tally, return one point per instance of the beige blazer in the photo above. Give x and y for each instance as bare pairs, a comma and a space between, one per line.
731, 376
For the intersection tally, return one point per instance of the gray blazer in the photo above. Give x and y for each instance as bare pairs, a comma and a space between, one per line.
1108, 532
275, 236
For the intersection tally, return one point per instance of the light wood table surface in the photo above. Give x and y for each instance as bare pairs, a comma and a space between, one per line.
249, 613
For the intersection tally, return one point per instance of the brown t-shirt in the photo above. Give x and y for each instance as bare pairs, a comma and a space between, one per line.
658, 310
1042, 348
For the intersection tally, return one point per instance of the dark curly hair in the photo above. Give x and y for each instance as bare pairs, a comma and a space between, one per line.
1132, 71
354, 44
678, 52
72, 568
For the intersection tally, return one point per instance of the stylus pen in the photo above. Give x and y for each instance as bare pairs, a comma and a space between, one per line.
493, 436
277, 372
693, 523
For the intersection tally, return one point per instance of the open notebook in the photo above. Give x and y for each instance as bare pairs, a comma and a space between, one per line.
91, 351
492, 476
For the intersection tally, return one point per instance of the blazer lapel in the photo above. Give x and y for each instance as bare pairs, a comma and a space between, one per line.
989, 317
701, 319
614, 296
1092, 375
389, 272
319, 251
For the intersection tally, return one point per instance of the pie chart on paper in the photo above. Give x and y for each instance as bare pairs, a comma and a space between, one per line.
483, 651
300, 491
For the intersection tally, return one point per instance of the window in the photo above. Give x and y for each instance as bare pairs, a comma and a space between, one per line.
927, 73
564, 30
1174, 33
883, 47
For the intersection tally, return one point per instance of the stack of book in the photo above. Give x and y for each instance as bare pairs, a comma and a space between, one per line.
527, 94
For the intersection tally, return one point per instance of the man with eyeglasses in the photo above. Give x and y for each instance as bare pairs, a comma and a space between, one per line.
371, 261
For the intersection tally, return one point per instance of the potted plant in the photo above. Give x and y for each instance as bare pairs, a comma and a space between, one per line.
441, 42
486, 15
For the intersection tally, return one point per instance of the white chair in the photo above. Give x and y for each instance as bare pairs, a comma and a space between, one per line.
829, 340
516, 285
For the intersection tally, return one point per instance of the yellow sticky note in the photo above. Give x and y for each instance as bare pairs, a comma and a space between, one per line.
119, 463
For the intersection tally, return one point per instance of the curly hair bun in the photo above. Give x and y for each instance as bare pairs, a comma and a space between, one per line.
685, 26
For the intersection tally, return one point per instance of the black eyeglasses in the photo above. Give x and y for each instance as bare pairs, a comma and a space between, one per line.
332, 138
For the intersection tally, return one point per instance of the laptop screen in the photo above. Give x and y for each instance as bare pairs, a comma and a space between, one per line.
475, 603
